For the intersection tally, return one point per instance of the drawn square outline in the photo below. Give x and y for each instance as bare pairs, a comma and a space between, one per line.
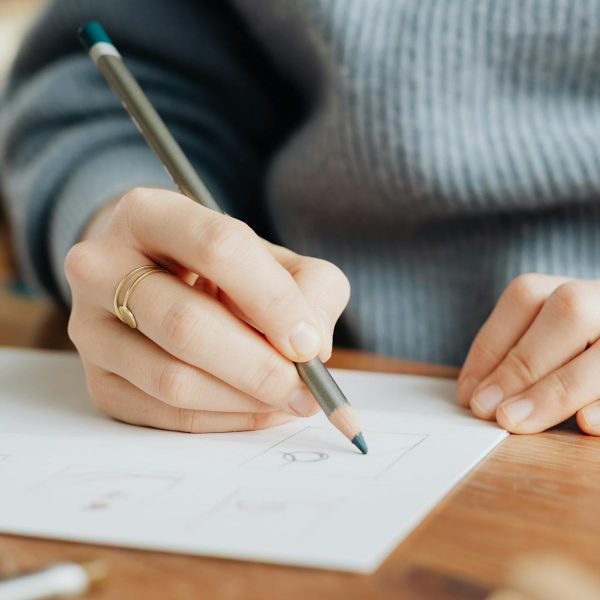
403, 452
90, 475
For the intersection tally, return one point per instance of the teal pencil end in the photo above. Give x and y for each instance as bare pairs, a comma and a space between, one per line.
91, 33
359, 441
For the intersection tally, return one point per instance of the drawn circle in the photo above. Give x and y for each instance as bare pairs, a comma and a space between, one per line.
304, 456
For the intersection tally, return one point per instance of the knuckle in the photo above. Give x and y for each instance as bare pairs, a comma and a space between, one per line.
482, 351
135, 199
254, 422
81, 261
570, 300
131, 206
172, 383
189, 421
343, 286
222, 239
74, 329
335, 279
278, 302
562, 389
246, 422
520, 366
266, 420
524, 288
261, 420
271, 378
182, 324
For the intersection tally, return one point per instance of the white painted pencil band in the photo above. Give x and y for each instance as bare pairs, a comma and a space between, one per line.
101, 49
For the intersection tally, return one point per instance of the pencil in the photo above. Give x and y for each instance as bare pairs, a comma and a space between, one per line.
108, 60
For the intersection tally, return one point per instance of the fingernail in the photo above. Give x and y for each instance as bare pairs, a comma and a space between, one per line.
466, 388
305, 340
488, 398
518, 410
302, 403
591, 414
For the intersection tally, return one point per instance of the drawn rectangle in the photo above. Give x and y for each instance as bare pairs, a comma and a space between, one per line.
311, 452
273, 511
93, 488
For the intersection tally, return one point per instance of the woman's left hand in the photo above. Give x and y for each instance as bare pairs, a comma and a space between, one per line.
536, 360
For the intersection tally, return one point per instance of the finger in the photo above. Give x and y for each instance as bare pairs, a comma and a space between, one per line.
230, 254
514, 312
123, 401
554, 398
567, 323
200, 331
210, 288
193, 327
234, 309
324, 286
552, 577
105, 342
588, 418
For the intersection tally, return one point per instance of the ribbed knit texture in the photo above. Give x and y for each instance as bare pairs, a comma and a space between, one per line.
446, 145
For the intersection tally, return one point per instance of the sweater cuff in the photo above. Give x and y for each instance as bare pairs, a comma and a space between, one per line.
99, 179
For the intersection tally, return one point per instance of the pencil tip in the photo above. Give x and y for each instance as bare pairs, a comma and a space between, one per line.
359, 441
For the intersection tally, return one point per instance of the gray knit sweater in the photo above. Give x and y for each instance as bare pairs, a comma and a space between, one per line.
433, 149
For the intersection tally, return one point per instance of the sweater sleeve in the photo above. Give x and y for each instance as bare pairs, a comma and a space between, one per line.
67, 146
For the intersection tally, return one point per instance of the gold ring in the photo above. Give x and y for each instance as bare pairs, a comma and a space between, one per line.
134, 277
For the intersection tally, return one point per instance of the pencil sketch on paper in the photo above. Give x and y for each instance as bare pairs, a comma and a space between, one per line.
304, 456
274, 511
316, 450
92, 488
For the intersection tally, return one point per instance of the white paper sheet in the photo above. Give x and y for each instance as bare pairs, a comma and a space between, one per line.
297, 494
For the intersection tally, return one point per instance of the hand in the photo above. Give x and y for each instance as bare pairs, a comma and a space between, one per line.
216, 335
536, 360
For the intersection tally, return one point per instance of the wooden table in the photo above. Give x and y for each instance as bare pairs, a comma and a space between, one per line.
533, 493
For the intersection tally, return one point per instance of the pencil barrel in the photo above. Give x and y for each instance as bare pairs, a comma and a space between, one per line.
322, 385
154, 130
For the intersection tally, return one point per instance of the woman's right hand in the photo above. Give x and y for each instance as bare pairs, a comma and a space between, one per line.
216, 335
